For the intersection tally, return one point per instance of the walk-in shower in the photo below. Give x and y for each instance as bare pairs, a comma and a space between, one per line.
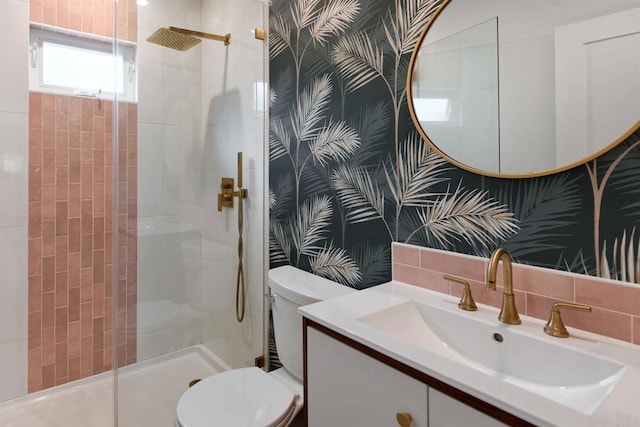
117, 272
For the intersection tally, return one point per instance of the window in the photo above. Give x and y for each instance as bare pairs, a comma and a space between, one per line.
72, 63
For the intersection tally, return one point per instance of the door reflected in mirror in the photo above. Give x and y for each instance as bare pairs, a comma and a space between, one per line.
528, 87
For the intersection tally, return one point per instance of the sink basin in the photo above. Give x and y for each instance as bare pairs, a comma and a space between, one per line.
521, 355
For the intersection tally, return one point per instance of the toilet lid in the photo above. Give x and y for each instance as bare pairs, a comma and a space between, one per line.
239, 397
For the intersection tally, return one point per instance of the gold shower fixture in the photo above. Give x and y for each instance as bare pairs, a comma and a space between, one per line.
183, 39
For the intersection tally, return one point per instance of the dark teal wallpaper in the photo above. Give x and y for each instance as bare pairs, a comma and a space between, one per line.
349, 174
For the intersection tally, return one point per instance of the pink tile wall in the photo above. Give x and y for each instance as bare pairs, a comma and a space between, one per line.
615, 305
71, 236
89, 16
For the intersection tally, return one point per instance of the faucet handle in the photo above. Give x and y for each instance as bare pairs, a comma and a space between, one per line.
466, 302
555, 327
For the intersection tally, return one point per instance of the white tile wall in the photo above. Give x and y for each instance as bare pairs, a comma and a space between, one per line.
13, 284
13, 370
14, 138
14, 26
14, 179
197, 109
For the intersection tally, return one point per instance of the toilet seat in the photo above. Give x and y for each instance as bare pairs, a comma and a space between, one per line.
239, 397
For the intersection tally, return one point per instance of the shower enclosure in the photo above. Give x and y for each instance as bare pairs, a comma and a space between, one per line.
114, 259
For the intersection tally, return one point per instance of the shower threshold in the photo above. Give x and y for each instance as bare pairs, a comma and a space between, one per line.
148, 393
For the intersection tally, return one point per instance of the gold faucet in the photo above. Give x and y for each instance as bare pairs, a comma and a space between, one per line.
508, 312
555, 327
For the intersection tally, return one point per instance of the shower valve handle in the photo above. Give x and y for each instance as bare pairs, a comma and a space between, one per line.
225, 197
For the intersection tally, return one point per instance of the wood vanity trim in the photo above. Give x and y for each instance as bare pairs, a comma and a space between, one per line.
442, 387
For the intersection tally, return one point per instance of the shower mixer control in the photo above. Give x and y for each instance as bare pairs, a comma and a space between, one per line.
226, 195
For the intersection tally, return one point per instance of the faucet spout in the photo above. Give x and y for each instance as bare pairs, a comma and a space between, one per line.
508, 313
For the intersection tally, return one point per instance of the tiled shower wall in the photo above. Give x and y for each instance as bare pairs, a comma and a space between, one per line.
71, 237
71, 225
88, 16
14, 106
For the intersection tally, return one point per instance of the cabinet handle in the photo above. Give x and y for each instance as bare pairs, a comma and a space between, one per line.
404, 419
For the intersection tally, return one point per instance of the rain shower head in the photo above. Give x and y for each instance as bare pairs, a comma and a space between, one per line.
183, 39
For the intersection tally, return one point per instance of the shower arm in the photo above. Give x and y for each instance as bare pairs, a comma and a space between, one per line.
226, 39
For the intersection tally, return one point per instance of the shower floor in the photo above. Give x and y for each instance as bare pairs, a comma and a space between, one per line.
148, 393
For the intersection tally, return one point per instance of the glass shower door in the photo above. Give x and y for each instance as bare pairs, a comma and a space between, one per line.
196, 109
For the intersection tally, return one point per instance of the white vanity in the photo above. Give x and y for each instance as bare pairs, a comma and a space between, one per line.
400, 355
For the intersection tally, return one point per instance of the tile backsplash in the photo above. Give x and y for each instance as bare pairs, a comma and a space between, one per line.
615, 305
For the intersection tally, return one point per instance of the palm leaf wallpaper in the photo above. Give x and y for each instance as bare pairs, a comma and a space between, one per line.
349, 174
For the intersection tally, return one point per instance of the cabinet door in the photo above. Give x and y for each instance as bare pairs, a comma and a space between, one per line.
445, 411
348, 388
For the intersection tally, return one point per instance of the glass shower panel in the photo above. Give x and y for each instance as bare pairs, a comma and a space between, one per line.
196, 110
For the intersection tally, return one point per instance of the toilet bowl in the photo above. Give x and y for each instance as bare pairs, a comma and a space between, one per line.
250, 397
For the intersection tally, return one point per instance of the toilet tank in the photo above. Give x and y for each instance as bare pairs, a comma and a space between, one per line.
292, 288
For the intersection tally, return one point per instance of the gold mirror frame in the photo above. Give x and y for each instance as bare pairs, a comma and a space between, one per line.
453, 161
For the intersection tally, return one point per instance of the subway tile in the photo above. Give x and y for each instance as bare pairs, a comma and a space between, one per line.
86, 354
62, 148
74, 235
35, 147
62, 289
419, 277
86, 322
599, 321
61, 326
463, 266
48, 346
74, 305
48, 102
48, 166
48, 202
75, 200
35, 219
48, 376
48, 274
34, 369
48, 310
98, 334
407, 255
62, 183
35, 257
35, 330
543, 282
74, 270
62, 218
636, 330
48, 240
35, 183
61, 363
608, 295
62, 253
75, 123
35, 296
74, 368
75, 166
86, 285
539, 306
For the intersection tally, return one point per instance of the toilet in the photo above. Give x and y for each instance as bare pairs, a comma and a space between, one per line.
249, 396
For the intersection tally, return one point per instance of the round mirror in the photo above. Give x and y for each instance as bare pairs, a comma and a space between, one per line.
523, 88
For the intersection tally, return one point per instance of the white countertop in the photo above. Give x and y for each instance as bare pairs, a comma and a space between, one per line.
621, 407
